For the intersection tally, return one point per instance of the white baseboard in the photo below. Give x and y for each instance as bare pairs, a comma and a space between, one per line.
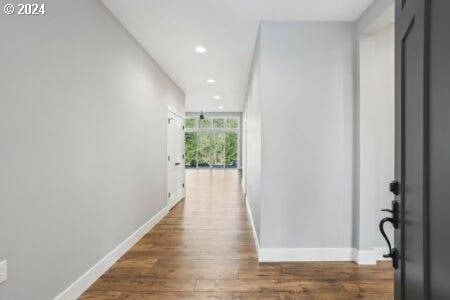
311, 254
87, 279
365, 257
255, 235
304, 254
380, 251
368, 257
174, 201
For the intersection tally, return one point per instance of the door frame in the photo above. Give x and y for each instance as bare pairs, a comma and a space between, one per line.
174, 199
370, 179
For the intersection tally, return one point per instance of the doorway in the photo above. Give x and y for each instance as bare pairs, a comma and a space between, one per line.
175, 158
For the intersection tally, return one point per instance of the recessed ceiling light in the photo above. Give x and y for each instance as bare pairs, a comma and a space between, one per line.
200, 49
216, 97
211, 80
220, 107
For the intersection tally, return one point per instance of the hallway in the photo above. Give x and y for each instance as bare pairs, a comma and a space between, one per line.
203, 249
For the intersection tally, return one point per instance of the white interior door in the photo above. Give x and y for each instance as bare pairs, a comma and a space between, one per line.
180, 155
175, 158
171, 156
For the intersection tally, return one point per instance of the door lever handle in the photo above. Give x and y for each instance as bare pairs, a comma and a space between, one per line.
394, 212
177, 163
393, 252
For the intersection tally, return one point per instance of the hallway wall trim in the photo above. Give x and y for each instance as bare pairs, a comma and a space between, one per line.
172, 202
380, 251
255, 235
361, 257
87, 279
364, 257
305, 254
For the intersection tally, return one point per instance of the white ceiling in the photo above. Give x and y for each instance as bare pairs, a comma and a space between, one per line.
170, 30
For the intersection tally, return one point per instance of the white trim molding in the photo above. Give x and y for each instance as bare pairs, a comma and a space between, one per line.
364, 257
305, 254
87, 279
380, 251
255, 235
361, 257
174, 200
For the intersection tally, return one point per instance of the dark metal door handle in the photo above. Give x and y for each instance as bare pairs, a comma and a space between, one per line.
393, 252
177, 163
394, 187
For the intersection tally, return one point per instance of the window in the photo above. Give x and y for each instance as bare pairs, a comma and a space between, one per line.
212, 142
205, 123
217, 149
232, 123
231, 147
203, 148
218, 123
191, 149
190, 123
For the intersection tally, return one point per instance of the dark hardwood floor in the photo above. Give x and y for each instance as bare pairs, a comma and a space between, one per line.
204, 249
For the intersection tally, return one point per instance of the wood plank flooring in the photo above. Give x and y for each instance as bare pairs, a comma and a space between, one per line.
204, 249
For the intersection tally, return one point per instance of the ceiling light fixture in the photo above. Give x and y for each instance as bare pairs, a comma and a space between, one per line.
211, 80
200, 49
220, 107
216, 97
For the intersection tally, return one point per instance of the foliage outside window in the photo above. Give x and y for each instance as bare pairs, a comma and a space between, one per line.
231, 147
213, 143
218, 123
217, 149
191, 149
232, 123
190, 123
204, 149
204, 123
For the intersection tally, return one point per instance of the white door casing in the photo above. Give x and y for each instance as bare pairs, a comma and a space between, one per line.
175, 158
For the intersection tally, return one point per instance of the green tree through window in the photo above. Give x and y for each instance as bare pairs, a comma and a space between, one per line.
218, 123
190, 123
210, 144
232, 123
191, 149
231, 150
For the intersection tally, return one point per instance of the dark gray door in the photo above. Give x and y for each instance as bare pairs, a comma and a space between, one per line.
411, 238
421, 209
439, 150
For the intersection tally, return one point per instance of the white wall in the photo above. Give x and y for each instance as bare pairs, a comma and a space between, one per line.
305, 89
376, 129
326, 97
253, 140
83, 143
306, 101
374, 124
